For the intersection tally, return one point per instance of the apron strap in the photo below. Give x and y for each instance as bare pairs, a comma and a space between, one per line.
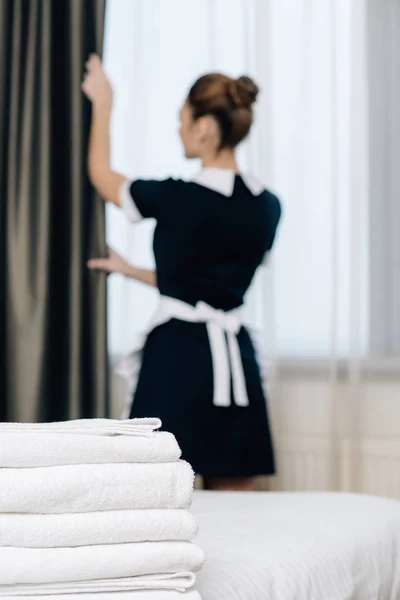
222, 328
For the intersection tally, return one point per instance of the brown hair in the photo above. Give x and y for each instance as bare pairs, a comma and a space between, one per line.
229, 101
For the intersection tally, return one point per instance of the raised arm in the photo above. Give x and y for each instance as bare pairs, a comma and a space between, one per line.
98, 89
114, 263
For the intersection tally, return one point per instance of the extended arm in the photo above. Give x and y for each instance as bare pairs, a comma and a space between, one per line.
116, 264
97, 88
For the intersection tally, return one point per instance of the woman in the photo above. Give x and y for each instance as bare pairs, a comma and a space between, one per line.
199, 372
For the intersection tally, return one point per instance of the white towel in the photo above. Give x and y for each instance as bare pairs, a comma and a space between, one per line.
51, 449
87, 427
88, 563
88, 529
150, 595
177, 582
93, 488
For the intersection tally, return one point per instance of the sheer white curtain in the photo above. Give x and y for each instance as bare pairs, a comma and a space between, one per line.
384, 91
310, 145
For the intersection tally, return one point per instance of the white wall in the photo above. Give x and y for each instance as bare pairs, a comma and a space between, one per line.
316, 447
341, 438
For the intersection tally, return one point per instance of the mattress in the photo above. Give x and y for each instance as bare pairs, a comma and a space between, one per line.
298, 546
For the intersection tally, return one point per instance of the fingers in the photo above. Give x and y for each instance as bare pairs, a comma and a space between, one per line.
99, 264
93, 62
84, 86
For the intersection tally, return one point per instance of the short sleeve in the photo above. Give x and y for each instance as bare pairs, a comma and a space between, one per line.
274, 214
144, 199
274, 217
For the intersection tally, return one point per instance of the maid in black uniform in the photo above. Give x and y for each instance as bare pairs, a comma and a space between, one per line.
199, 372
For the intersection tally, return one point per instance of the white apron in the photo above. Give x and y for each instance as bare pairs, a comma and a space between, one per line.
222, 328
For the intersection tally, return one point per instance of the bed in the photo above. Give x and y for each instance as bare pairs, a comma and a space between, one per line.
298, 546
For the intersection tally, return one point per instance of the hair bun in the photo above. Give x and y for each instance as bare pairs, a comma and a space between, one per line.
243, 92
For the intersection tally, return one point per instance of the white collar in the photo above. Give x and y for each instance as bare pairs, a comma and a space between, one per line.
223, 181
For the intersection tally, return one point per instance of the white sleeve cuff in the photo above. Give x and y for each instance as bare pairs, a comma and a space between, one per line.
127, 204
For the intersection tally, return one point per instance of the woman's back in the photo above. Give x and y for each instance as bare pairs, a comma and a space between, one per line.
212, 234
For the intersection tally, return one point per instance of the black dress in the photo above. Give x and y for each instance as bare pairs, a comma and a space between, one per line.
211, 235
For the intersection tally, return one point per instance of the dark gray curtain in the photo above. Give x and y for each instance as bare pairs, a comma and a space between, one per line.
53, 360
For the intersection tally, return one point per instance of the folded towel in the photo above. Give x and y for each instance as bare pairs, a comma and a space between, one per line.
51, 449
88, 529
177, 582
93, 488
150, 595
88, 563
87, 427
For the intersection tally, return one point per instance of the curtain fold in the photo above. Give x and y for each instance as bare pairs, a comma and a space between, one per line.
53, 311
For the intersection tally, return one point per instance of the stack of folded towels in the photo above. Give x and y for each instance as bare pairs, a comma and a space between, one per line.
95, 507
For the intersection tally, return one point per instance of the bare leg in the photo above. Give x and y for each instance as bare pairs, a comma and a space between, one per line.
229, 484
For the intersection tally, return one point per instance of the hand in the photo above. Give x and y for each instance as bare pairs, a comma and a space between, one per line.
95, 83
113, 264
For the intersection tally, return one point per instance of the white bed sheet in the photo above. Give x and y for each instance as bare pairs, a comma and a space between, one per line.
298, 546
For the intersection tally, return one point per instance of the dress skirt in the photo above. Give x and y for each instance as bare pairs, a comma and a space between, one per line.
176, 385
